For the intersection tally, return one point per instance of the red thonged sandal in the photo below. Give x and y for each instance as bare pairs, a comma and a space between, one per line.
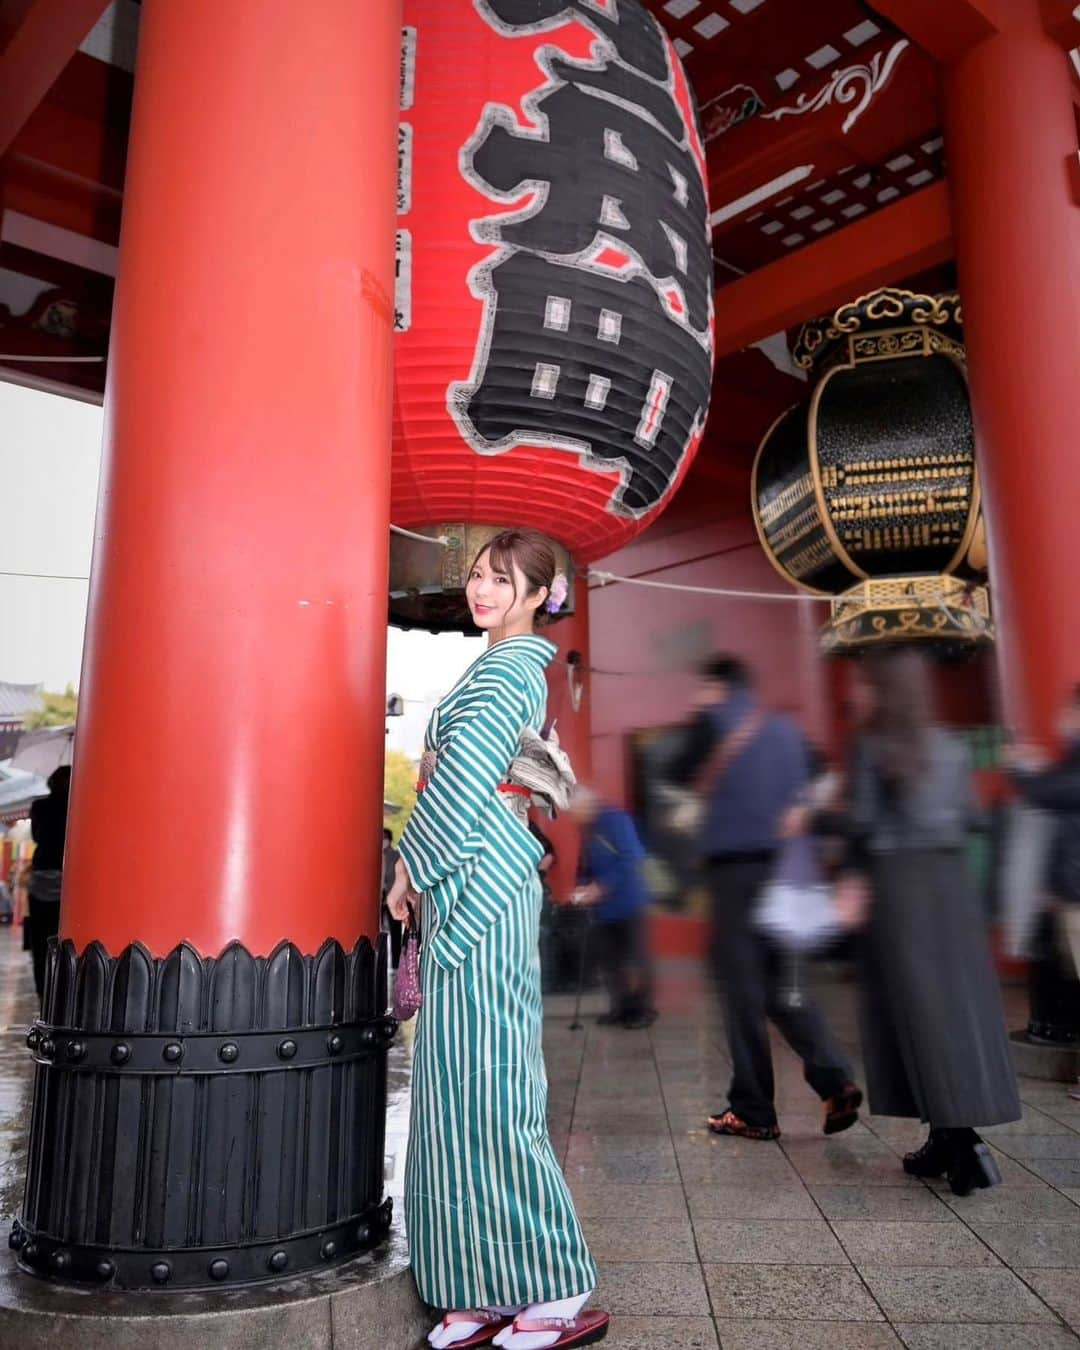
730, 1123
491, 1323
585, 1329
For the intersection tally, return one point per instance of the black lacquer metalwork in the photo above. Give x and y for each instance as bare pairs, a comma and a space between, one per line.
202, 1121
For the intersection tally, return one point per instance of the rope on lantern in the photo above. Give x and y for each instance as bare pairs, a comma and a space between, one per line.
604, 578
440, 539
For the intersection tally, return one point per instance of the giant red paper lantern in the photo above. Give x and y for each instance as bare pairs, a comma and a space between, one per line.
554, 306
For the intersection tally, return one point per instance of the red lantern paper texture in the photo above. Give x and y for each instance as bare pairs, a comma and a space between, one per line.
554, 305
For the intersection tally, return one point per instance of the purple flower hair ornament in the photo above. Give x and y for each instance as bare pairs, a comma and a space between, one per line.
560, 589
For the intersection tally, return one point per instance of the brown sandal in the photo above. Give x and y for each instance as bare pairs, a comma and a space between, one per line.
842, 1111
585, 1329
730, 1123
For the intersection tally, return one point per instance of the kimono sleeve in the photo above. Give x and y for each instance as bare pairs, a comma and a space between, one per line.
442, 833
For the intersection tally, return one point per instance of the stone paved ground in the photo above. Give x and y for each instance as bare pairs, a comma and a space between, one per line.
708, 1243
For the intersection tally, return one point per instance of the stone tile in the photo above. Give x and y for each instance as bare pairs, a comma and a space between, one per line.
758, 1334
949, 1336
1063, 1172
1038, 1147
617, 1200
1051, 1245
632, 1158
883, 1203
767, 1242
789, 1292
1033, 1121
640, 1239
1059, 1288
851, 1167
661, 1333
752, 1200
704, 1168
943, 1295
1013, 1204
646, 1289
909, 1243
1064, 1110
616, 1122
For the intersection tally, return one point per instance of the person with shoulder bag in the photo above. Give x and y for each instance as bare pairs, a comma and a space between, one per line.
750, 768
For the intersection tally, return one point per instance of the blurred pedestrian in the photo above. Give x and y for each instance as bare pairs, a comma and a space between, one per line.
933, 1029
752, 767
48, 825
1055, 788
611, 881
393, 927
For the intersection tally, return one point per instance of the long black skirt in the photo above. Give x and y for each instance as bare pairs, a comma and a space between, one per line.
933, 1027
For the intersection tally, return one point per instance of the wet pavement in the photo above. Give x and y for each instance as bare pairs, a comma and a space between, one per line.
722, 1244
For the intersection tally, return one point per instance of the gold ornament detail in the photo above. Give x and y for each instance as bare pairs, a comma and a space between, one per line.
901, 609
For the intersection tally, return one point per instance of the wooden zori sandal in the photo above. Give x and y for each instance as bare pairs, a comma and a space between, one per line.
491, 1323
585, 1329
730, 1123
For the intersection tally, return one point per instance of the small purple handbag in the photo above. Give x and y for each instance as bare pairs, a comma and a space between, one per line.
407, 995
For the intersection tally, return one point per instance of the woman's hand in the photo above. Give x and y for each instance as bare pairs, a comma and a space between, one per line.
401, 894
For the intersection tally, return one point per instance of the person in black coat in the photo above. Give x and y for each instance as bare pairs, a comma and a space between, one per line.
48, 826
933, 1029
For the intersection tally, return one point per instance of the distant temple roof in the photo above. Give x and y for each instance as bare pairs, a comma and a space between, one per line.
17, 700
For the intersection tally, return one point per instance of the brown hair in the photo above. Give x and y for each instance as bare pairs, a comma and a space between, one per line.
903, 713
531, 552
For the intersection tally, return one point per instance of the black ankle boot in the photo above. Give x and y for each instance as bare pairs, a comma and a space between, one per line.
933, 1159
973, 1167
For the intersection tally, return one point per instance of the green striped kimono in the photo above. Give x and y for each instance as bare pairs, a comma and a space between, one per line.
489, 1216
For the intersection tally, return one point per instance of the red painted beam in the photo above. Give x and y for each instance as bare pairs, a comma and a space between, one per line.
37, 52
947, 28
893, 243
1060, 22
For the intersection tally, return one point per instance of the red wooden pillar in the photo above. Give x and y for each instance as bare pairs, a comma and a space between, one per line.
1012, 149
230, 726
228, 773
574, 727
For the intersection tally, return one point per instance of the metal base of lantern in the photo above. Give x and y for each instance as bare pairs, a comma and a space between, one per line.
205, 1122
427, 581
941, 609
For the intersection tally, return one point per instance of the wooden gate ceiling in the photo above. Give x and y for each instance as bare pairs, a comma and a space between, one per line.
822, 121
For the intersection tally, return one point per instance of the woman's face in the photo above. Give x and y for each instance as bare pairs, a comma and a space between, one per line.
499, 601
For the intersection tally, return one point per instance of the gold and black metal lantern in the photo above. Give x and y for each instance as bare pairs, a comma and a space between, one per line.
867, 492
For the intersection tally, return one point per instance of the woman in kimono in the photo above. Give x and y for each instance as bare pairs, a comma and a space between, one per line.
933, 1028
493, 1235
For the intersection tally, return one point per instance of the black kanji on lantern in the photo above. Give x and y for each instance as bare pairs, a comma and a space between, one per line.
596, 381
596, 336
629, 29
610, 166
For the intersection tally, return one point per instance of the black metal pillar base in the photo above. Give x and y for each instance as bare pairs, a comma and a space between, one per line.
205, 1122
368, 1303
